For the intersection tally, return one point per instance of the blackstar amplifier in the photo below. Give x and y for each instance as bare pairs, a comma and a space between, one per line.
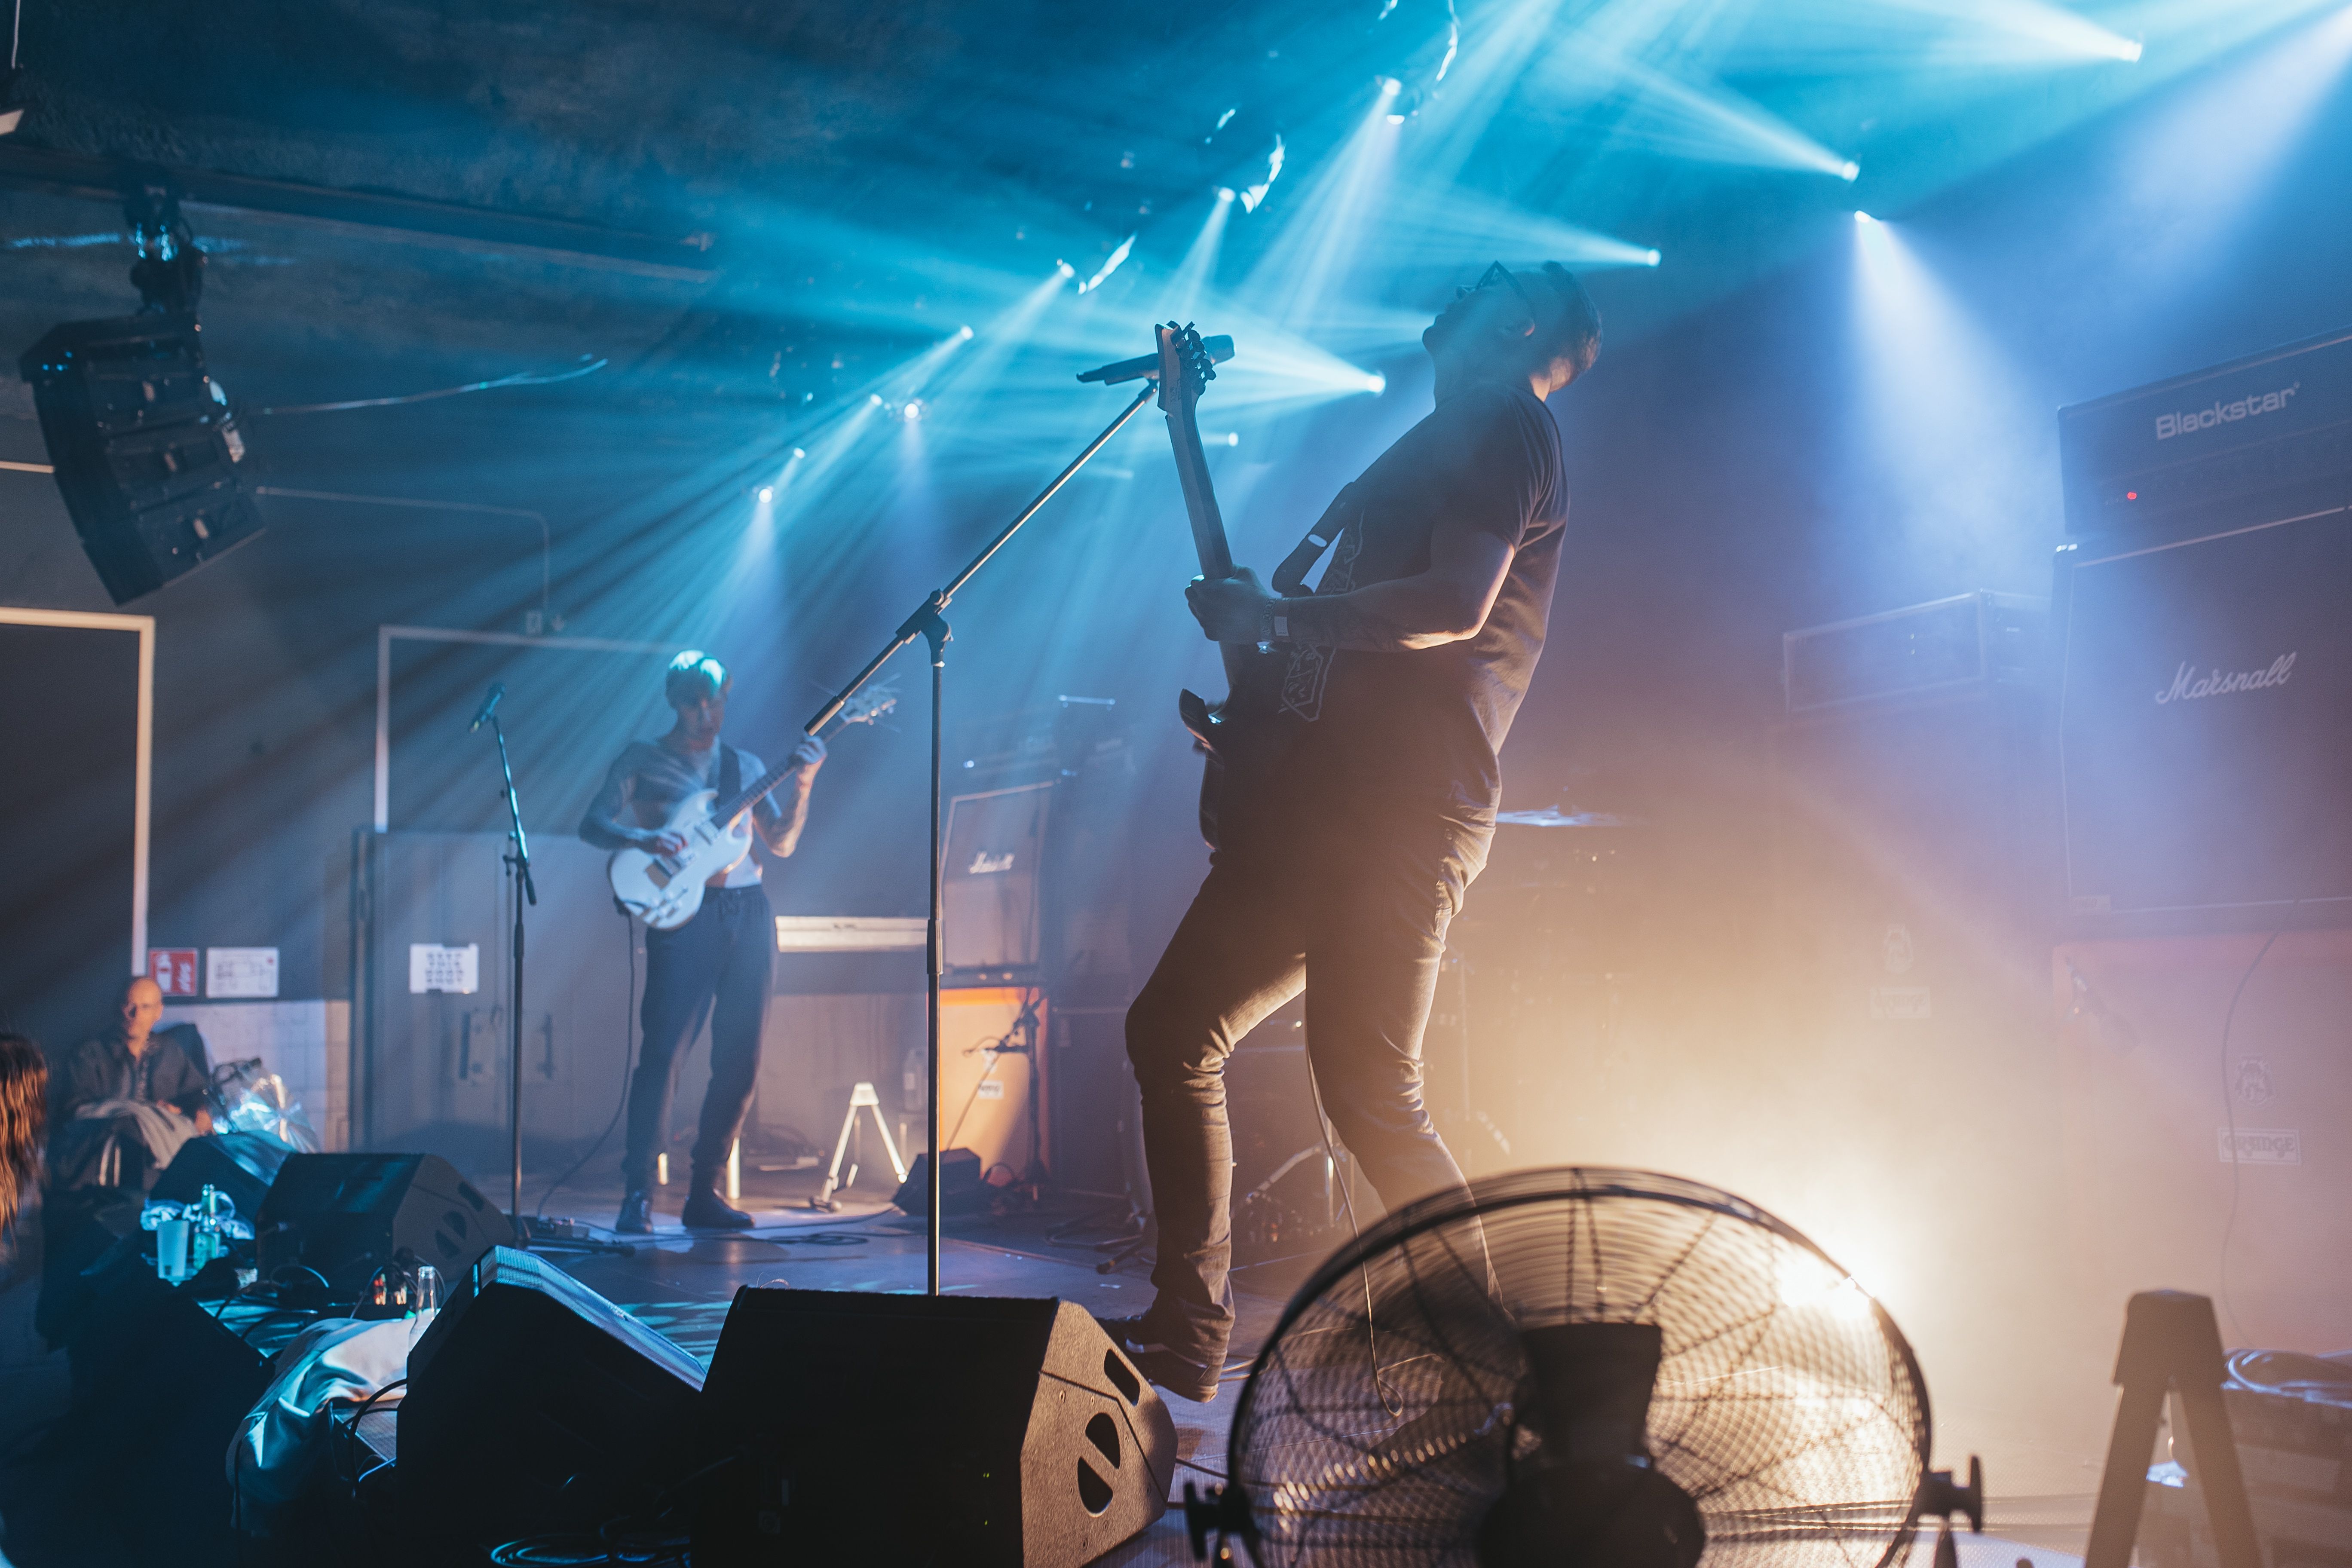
2205, 727
2272, 432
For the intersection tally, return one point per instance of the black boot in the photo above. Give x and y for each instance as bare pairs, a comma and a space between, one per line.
636, 1213
706, 1210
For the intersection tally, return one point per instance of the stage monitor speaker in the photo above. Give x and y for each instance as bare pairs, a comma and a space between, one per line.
961, 1429
2205, 729
534, 1405
145, 449
136, 1464
346, 1215
960, 1189
242, 1165
996, 846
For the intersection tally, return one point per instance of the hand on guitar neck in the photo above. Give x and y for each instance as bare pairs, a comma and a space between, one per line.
803, 764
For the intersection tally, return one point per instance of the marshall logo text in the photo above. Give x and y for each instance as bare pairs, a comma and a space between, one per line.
2188, 685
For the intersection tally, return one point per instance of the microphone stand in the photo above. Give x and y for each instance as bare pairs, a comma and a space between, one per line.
928, 624
517, 860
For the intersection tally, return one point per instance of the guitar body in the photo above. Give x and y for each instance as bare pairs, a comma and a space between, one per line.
1240, 742
666, 892
1240, 734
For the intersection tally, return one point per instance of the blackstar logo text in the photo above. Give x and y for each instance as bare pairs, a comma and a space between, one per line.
2167, 425
2188, 685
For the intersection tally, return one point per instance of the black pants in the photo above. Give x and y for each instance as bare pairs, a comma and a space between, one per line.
718, 963
1358, 921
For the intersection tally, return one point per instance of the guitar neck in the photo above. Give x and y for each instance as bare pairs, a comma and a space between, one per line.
734, 806
1210, 545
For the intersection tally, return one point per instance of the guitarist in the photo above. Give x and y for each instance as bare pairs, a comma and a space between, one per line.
720, 962
1339, 864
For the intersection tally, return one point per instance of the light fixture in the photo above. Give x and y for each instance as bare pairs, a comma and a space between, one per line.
12, 99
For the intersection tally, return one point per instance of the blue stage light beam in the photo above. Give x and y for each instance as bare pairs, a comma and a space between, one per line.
1180, 299
1492, 50
1422, 225
1661, 113
1323, 226
2214, 152
1953, 448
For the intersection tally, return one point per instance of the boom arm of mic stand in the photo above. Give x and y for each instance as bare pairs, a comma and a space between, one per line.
929, 623
915, 624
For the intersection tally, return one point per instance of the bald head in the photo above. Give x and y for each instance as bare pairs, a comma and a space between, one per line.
142, 1004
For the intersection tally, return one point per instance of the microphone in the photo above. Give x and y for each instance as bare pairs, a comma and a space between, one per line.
490, 706
1221, 349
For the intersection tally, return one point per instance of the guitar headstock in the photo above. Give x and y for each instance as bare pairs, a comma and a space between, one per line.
870, 703
1185, 365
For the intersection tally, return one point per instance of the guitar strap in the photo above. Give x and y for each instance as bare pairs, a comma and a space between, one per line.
1290, 577
730, 771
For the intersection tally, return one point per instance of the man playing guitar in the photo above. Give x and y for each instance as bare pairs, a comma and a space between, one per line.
1339, 866
720, 962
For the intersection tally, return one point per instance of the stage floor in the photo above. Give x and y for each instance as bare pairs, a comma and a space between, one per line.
682, 1283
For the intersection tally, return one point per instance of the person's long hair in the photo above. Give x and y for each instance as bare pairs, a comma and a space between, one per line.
24, 1108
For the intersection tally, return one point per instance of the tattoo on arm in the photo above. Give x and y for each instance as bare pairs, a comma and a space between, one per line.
1348, 620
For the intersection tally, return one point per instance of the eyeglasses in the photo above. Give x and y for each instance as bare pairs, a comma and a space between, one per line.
1487, 280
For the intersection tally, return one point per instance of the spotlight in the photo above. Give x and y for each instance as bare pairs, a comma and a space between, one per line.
1862, 217
1849, 171
1391, 86
1376, 384
798, 453
913, 411
964, 333
2130, 53
1062, 268
1650, 259
767, 493
874, 400
1226, 193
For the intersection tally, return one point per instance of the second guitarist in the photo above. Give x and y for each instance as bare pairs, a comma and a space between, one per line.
1338, 868
719, 962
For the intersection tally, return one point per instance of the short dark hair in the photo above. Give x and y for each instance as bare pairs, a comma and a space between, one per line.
693, 676
1573, 333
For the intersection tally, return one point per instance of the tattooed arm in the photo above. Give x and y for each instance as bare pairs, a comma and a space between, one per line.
1448, 603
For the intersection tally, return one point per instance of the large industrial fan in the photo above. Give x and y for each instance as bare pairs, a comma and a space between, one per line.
1583, 1369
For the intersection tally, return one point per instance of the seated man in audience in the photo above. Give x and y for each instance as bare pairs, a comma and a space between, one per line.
126, 1100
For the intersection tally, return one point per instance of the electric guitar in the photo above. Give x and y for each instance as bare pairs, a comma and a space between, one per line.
1238, 734
666, 890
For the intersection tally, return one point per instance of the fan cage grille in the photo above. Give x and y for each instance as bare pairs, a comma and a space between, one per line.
1788, 1403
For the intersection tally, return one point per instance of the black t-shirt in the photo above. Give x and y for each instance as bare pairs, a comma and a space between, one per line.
1419, 731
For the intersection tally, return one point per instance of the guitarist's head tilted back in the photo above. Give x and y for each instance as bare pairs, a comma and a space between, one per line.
680, 814
1353, 778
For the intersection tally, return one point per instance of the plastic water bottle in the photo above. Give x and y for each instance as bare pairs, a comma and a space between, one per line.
425, 1303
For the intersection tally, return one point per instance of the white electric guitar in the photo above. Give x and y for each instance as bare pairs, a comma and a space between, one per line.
666, 890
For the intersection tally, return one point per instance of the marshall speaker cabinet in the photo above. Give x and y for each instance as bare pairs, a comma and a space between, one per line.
2204, 660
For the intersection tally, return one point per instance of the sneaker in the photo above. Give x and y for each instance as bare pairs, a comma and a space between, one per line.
1167, 1368
636, 1214
706, 1210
